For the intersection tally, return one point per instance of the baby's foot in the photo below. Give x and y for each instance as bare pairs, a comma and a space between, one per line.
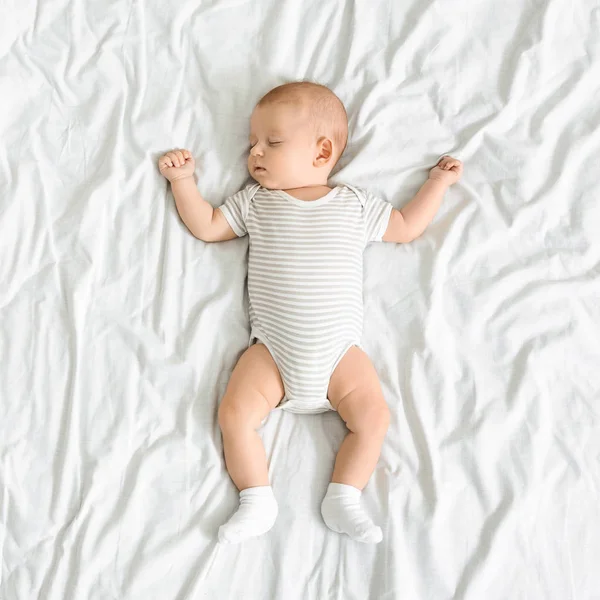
343, 513
256, 515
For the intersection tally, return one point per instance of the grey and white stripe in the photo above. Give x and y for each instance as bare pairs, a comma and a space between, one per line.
305, 279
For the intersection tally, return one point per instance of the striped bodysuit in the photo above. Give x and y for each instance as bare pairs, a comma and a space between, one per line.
305, 280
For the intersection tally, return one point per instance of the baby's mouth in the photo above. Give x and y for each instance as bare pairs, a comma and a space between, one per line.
259, 169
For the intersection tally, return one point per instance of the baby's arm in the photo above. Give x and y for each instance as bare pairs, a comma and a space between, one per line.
409, 223
205, 222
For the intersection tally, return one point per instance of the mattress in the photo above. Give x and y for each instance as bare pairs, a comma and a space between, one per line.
119, 330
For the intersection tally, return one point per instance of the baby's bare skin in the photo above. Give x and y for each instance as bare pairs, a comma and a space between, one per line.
287, 154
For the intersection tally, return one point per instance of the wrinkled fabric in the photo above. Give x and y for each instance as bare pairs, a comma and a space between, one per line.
119, 329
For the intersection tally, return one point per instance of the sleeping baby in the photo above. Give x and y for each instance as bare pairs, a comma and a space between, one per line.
305, 276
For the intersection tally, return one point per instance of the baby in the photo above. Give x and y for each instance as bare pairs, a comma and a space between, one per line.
305, 275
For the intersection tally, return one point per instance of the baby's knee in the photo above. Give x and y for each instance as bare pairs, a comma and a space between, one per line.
381, 418
231, 416
374, 420
234, 415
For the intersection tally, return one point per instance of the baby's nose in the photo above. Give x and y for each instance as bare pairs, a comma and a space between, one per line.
256, 150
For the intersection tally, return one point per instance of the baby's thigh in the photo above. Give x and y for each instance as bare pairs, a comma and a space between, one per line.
354, 373
255, 388
355, 392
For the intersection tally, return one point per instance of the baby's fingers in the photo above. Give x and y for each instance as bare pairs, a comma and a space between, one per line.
178, 159
165, 162
456, 166
172, 157
450, 163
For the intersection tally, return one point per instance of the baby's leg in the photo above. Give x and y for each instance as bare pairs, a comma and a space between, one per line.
255, 388
354, 391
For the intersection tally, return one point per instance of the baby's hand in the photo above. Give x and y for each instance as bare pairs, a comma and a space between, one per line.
177, 164
448, 170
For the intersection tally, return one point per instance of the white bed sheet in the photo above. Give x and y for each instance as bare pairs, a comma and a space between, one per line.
119, 330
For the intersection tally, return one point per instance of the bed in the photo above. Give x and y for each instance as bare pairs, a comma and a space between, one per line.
119, 329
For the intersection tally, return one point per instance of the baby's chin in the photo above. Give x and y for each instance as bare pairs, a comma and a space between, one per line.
266, 181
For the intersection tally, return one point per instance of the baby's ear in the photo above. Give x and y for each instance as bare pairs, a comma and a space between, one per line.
324, 152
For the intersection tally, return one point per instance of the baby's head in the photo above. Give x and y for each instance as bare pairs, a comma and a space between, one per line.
298, 132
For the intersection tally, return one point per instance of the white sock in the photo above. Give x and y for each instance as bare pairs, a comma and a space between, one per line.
256, 515
343, 513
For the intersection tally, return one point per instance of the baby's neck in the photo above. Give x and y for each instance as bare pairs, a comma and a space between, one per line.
309, 192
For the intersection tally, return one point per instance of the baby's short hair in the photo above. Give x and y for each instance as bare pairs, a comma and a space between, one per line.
326, 110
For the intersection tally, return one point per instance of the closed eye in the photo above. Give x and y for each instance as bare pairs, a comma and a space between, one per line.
274, 143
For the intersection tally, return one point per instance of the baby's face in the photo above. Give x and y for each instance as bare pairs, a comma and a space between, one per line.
283, 147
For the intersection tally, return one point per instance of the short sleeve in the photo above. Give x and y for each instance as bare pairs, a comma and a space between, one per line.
235, 209
376, 215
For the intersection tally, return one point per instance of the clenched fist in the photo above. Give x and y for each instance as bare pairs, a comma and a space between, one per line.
177, 164
448, 170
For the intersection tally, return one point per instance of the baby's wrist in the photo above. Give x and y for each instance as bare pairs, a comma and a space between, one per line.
441, 179
180, 178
